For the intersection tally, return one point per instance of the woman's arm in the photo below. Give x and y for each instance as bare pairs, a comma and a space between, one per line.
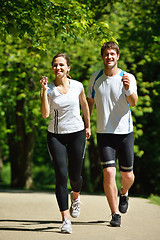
45, 109
86, 115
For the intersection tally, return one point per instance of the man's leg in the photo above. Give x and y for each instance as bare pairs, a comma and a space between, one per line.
108, 160
126, 161
127, 181
110, 188
111, 192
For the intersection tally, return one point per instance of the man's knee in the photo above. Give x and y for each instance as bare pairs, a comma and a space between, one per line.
109, 172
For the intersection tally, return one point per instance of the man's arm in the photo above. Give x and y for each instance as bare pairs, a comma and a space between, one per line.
132, 99
131, 96
90, 104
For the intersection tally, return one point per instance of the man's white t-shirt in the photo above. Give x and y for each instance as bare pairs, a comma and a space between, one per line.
113, 111
65, 109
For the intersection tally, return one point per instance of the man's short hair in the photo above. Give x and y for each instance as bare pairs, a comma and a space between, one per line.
110, 45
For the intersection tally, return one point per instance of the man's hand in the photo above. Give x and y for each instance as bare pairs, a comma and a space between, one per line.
126, 81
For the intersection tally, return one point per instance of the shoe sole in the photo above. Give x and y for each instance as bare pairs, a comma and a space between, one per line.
112, 225
66, 232
125, 211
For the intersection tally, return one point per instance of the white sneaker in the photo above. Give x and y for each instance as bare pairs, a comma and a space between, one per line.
66, 226
75, 206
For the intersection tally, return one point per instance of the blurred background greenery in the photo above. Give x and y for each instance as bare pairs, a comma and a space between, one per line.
32, 32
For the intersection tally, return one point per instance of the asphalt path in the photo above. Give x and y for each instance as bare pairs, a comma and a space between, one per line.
35, 216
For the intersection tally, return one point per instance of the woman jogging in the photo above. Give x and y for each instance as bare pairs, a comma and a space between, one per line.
67, 134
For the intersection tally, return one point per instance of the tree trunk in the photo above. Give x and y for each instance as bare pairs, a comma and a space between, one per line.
25, 147
21, 145
13, 151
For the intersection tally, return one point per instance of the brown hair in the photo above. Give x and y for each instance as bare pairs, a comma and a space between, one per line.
109, 45
65, 57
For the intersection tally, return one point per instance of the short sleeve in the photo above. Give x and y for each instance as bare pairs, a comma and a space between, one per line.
90, 93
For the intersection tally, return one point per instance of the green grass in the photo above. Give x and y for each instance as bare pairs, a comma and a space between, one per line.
154, 199
6, 175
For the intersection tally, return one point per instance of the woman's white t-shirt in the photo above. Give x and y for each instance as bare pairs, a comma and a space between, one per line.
65, 109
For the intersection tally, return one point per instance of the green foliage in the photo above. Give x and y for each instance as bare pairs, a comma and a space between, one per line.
140, 35
5, 178
154, 199
43, 179
29, 31
39, 18
32, 32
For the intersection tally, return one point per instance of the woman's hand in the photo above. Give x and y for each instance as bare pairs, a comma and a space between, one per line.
44, 82
45, 109
88, 133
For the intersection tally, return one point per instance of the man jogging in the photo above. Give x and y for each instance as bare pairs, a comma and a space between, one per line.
113, 90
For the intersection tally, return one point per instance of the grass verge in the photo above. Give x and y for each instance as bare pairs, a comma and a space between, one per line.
154, 199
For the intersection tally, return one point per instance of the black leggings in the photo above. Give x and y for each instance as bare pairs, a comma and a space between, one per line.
59, 146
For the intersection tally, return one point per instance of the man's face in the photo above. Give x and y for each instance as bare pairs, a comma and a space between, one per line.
110, 58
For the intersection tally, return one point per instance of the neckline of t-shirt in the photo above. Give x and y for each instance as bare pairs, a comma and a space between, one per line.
60, 91
111, 77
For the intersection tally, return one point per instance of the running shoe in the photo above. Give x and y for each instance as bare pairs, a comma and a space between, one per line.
123, 203
66, 226
116, 220
75, 206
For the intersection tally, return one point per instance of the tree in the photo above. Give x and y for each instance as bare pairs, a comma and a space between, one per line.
32, 33
38, 18
28, 30
19, 68
139, 40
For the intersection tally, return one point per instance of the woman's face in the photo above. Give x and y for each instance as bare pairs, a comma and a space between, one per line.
60, 67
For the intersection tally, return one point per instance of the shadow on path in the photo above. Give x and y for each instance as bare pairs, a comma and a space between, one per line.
29, 225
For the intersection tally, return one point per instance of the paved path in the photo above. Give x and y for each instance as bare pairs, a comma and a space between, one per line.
35, 216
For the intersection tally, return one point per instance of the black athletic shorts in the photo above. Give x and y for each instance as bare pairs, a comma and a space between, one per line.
113, 146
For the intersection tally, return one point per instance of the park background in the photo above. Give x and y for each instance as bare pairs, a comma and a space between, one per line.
32, 32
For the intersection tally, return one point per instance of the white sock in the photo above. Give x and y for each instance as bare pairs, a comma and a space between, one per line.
126, 194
